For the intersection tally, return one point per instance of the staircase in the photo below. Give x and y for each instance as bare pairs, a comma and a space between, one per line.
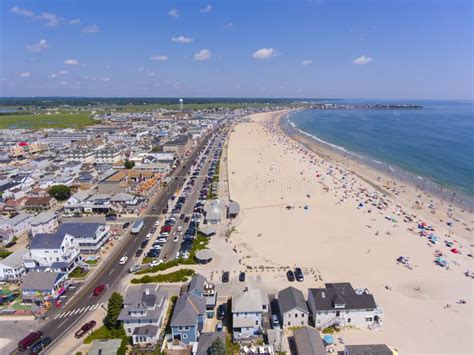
333, 321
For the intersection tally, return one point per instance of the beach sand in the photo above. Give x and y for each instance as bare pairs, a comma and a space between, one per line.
299, 207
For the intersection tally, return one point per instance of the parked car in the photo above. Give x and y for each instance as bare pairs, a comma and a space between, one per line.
290, 275
275, 322
242, 276
144, 244
225, 276
29, 340
219, 326
221, 312
123, 260
153, 253
40, 345
134, 268
126, 225
186, 219
98, 290
85, 328
299, 274
155, 263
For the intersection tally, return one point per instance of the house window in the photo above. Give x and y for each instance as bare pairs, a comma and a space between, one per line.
296, 315
302, 315
185, 336
348, 320
180, 328
289, 315
289, 323
368, 319
186, 328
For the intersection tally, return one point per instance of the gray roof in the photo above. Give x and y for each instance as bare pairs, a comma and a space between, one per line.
105, 347
291, 298
40, 280
146, 330
43, 217
308, 342
342, 294
373, 349
54, 240
16, 220
15, 259
151, 304
206, 340
47, 240
80, 229
204, 255
248, 301
234, 207
187, 309
197, 283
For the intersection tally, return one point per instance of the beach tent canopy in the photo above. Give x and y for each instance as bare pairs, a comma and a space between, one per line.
328, 339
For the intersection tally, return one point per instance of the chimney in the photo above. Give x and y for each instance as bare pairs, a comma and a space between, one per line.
147, 291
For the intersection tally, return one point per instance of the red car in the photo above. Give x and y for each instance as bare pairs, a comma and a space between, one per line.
85, 328
165, 229
98, 290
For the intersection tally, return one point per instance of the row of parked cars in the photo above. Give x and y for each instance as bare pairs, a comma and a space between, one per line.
35, 342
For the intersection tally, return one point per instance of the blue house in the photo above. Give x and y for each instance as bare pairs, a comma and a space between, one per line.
189, 313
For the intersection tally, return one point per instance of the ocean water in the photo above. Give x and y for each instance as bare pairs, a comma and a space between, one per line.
434, 144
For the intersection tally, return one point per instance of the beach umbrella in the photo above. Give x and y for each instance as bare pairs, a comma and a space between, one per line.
455, 251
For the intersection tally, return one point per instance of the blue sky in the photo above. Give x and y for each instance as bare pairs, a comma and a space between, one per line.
413, 49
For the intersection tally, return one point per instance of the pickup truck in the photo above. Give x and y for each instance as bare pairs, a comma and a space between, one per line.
85, 328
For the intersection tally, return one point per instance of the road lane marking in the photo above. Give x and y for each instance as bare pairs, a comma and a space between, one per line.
111, 271
66, 314
57, 315
59, 326
87, 308
74, 312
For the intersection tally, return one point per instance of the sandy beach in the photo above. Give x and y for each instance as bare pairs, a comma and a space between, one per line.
303, 204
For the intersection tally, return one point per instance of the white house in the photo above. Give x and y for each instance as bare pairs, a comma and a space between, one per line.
45, 222
11, 268
293, 309
247, 311
89, 237
13, 227
108, 155
339, 304
53, 252
143, 313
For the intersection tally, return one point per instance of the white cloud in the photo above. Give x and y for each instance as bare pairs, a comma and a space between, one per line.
203, 54
152, 73
53, 76
63, 72
48, 18
208, 8
71, 62
159, 58
363, 59
23, 12
141, 69
182, 39
26, 74
38, 47
91, 29
174, 13
307, 62
265, 53
104, 78
228, 25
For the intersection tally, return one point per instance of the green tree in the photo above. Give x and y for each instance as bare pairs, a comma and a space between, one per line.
60, 192
113, 310
128, 164
217, 347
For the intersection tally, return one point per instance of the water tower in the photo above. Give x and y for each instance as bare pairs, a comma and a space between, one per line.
181, 104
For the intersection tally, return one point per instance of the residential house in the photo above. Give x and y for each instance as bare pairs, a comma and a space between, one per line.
248, 308
43, 286
105, 347
340, 304
188, 316
307, 341
108, 155
179, 145
11, 267
89, 237
45, 222
57, 252
293, 309
39, 203
205, 342
11, 228
143, 313
83, 155
368, 349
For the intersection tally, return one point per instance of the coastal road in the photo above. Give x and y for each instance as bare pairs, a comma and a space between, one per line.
68, 318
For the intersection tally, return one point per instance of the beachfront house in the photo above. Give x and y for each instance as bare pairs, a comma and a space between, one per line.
143, 313
43, 286
248, 308
339, 304
11, 228
379, 349
293, 308
308, 341
44, 222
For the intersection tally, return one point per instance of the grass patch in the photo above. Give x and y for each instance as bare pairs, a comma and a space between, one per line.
232, 348
173, 300
177, 276
4, 253
105, 334
61, 120
92, 262
78, 273
330, 330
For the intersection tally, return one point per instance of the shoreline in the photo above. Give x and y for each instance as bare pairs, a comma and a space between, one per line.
298, 208
336, 154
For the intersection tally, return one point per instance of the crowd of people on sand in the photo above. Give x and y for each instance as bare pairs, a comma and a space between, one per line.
346, 187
